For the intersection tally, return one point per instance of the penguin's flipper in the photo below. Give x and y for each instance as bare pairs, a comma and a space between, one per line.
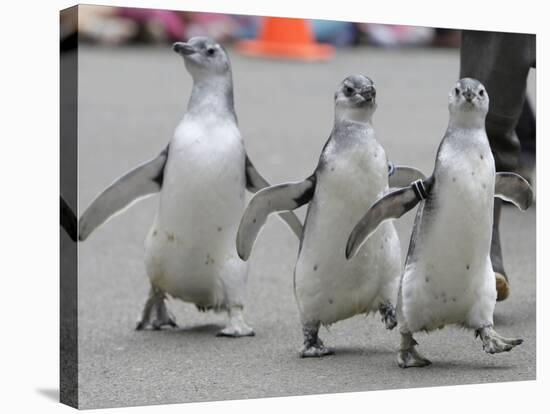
68, 219
392, 205
513, 188
144, 180
403, 176
282, 197
255, 182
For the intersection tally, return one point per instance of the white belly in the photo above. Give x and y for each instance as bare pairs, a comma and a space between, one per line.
450, 278
190, 249
328, 287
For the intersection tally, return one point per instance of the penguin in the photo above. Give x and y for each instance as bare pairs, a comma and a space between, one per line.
448, 277
328, 288
200, 177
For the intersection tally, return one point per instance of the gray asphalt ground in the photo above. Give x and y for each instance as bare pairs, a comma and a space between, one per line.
130, 101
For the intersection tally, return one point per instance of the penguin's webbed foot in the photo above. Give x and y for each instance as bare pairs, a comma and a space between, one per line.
315, 350
389, 318
408, 356
493, 343
236, 327
313, 346
155, 305
233, 331
156, 324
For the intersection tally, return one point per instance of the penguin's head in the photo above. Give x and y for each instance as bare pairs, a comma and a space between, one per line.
468, 99
355, 98
203, 57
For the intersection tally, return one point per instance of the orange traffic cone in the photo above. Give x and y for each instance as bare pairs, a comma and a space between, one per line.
286, 38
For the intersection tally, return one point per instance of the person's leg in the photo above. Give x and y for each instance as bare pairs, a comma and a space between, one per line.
526, 130
501, 61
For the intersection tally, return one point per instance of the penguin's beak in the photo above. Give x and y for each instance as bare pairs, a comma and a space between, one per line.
184, 49
369, 93
468, 95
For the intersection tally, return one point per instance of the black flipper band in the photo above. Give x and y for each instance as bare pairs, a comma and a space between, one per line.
419, 190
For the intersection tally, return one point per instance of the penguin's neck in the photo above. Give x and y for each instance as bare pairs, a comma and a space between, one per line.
467, 130
213, 95
353, 115
470, 120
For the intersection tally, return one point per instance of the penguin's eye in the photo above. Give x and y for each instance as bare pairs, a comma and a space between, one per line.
348, 91
481, 92
210, 51
457, 91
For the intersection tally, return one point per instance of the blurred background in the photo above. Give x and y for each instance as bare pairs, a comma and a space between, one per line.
121, 25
